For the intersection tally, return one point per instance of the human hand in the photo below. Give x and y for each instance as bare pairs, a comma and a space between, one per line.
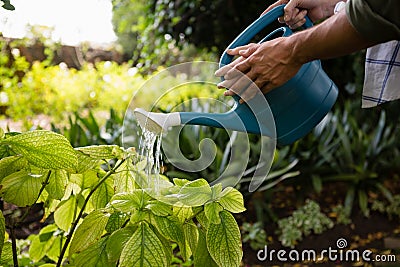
296, 10
268, 65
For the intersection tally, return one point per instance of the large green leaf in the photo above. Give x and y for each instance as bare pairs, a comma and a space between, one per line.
103, 194
89, 231
191, 232
54, 251
42, 242
11, 164
195, 193
65, 213
201, 255
94, 256
21, 188
159, 208
6, 255
85, 180
212, 210
102, 151
223, 241
144, 249
44, 149
57, 184
117, 242
169, 228
116, 220
124, 181
232, 200
126, 202
182, 213
85, 162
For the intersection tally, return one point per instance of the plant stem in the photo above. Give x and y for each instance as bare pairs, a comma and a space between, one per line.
22, 219
14, 246
75, 224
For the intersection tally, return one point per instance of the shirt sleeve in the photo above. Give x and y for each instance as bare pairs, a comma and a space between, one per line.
376, 20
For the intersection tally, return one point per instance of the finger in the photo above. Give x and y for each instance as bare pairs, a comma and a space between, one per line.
298, 19
280, 2
223, 70
268, 87
289, 19
251, 91
298, 24
235, 72
289, 10
235, 51
247, 52
227, 83
241, 85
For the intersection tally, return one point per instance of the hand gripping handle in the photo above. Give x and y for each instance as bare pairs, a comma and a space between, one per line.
254, 28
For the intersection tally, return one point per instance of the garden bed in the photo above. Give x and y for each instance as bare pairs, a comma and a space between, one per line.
377, 233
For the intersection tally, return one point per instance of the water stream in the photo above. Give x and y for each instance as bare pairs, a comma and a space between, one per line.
150, 149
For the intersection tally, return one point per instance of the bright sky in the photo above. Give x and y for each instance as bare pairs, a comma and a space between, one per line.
74, 21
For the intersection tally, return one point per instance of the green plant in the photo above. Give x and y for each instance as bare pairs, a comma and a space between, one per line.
391, 207
365, 152
254, 234
87, 130
302, 222
342, 214
104, 211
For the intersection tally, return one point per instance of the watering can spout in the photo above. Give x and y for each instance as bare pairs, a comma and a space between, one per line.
239, 118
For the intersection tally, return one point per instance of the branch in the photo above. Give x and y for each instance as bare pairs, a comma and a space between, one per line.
75, 224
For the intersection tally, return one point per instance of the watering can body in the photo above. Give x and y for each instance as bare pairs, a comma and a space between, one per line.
297, 106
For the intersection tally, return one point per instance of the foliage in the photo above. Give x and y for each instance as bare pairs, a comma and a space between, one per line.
104, 212
168, 32
342, 214
303, 222
7, 5
87, 130
254, 234
350, 149
390, 207
55, 90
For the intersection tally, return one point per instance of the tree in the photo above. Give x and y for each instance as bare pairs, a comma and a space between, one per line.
149, 31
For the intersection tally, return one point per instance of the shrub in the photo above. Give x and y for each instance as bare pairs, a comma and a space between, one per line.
104, 213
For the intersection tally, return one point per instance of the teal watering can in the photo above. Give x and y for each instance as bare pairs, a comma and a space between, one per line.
286, 113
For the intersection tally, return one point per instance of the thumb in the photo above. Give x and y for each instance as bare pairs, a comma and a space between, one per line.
289, 10
277, 3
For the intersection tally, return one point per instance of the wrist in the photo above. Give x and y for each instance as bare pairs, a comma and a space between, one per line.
330, 7
296, 43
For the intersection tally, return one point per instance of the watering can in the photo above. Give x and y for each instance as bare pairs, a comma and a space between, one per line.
296, 107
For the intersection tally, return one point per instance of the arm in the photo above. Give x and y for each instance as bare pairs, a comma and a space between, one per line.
273, 63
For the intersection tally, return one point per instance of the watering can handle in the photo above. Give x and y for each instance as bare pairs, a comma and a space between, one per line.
245, 37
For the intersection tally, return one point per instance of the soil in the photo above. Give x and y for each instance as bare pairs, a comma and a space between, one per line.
377, 232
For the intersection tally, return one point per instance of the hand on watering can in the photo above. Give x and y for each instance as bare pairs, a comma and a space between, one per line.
268, 65
296, 10
272, 63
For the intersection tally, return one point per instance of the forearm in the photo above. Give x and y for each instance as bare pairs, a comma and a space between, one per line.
332, 38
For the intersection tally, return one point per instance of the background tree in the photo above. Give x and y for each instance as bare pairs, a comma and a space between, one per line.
150, 31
